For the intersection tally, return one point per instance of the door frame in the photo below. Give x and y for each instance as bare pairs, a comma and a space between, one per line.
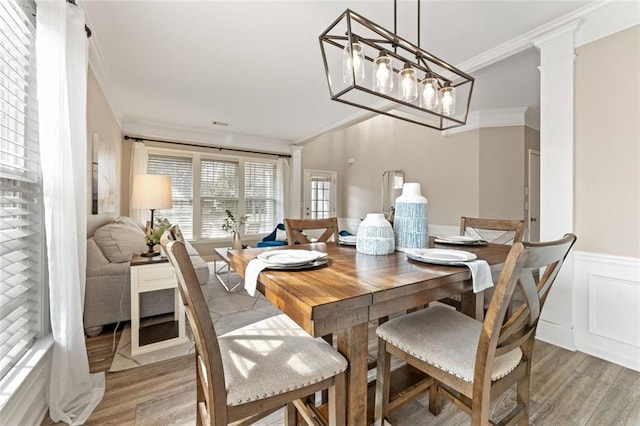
308, 174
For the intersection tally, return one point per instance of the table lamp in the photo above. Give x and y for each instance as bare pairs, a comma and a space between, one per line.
151, 192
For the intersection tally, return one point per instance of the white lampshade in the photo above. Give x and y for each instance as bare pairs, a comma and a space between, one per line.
151, 192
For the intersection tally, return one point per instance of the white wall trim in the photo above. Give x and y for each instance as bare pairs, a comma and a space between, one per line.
23, 389
607, 307
603, 18
498, 117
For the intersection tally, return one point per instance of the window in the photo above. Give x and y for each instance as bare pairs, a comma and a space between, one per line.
218, 193
20, 188
204, 187
259, 197
181, 171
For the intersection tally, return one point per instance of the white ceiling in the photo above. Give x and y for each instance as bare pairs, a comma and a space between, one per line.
173, 67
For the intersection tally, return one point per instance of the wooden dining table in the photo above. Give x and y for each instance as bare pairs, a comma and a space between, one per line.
352, 289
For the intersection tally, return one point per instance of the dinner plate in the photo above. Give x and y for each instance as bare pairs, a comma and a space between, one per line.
349, 240
461, 240
318, 262
290, 257
440, 256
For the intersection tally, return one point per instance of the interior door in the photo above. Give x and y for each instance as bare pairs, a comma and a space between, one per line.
533, 200
319, 194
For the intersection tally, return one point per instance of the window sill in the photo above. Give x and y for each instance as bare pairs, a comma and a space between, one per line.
11, 384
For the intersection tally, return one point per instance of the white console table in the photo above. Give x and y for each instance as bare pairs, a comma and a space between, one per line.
153, 274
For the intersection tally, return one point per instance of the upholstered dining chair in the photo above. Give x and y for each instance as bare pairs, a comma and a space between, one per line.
250, 372
473, 362
497, 231
295, 227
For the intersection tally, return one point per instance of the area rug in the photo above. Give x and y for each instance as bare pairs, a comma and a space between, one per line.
123, 360
229, 311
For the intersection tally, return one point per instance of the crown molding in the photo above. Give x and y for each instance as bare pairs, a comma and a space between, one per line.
500, 117
599, 19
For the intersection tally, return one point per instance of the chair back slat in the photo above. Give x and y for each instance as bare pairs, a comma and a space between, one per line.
211, 389
488, 229
295, 227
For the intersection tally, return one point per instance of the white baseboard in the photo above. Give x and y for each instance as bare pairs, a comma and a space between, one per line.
556, 335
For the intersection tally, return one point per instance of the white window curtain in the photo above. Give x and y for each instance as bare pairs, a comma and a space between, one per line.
282, 188
139, 158
61, 52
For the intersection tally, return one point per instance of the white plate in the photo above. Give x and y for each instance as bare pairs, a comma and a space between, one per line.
460, 239
349, 240
440, 256
290, 257
318, 262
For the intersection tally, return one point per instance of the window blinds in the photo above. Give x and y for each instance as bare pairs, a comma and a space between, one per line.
260, 196
181, 171
219, 185
20, 188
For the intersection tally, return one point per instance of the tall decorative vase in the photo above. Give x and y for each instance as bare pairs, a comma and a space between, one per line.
375, 235
236, 243
411, 222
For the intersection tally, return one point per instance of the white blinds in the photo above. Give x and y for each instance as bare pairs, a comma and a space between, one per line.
243, 186
260, 196
181, 171
218, 192
20, 188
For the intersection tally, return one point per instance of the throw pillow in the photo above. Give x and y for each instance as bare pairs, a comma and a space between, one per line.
177, 233
281, 235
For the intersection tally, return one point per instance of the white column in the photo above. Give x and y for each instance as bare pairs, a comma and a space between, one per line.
296, 182
556, 173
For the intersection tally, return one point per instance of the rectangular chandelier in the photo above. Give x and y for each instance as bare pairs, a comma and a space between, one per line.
370, 67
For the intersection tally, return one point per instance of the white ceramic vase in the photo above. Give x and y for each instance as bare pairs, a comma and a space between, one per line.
411, 221
375, 235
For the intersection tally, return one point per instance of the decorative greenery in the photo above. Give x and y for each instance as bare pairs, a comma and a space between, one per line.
154, 234
232, 223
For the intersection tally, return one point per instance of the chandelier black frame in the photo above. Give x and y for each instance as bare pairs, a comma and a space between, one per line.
351, 28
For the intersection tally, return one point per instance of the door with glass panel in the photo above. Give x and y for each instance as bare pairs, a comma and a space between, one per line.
319, 194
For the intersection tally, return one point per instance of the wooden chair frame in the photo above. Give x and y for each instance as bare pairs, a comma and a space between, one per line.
211, 394
500, 334
294, 228
517, 226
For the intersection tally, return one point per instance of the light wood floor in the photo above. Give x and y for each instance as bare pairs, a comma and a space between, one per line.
568, 388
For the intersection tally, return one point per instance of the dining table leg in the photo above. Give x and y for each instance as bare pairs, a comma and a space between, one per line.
353, 344
473, 304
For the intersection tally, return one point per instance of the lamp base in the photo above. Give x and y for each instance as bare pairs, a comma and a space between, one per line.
150, 252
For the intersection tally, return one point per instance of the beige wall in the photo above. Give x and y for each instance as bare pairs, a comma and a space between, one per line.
448, 168
502, 172
607, 145
101, 120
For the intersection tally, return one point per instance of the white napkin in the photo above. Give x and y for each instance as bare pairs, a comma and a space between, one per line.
480, 274
251, 273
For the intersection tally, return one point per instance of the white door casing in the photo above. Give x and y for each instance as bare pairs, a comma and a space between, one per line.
319, 193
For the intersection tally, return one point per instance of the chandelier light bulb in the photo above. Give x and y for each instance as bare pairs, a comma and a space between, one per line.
353, 63
382, 74
408, 84
430, 94
448, 99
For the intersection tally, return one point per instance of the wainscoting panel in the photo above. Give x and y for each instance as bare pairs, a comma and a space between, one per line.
607, 307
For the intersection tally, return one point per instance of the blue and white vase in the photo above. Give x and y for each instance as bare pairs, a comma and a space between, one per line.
375, 235
411, 221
